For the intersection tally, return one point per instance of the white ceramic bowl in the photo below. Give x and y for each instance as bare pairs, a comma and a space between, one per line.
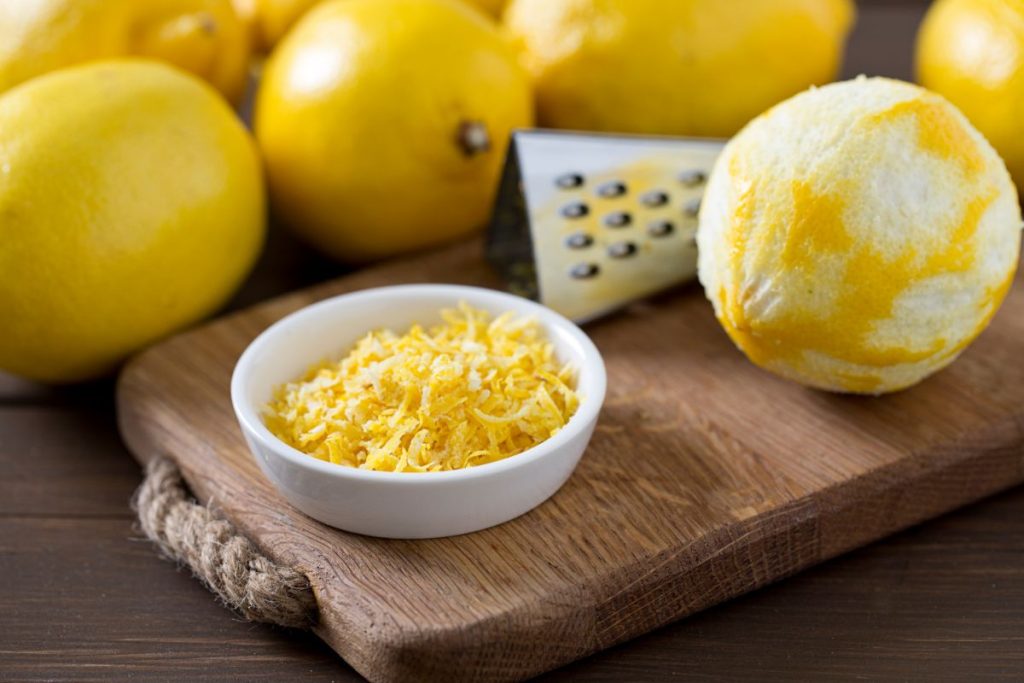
404, 504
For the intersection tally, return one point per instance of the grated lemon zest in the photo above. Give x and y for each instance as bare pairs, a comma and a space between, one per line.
469, 391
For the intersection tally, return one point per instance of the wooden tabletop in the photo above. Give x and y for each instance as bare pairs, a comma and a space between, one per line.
83, 598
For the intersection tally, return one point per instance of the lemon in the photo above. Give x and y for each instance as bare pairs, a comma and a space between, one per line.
270, 20
687, 67
492, 7
972, 52
248, 12
383, 123
131, 204
859, 236
204, 37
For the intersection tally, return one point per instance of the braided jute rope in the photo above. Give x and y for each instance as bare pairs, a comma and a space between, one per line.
222, 558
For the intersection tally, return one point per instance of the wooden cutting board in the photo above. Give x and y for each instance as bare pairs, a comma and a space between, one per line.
706, 478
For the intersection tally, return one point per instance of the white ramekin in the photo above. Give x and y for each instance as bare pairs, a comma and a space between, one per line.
407, 505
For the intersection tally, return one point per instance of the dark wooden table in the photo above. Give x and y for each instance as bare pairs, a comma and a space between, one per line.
83, 598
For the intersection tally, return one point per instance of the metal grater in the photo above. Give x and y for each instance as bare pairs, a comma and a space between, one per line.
585, 223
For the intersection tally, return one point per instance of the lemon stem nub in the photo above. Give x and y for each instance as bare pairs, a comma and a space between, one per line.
207, 23
473, 138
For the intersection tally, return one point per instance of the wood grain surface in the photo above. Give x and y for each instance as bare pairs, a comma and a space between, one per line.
83, 598
706, 478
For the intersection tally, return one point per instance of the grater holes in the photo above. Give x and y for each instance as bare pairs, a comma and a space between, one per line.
660, 228
584, 271
621, 249
569, 181
692, 177
579, 240
618, 219
611, 189
654, 199
692, 208
575, 210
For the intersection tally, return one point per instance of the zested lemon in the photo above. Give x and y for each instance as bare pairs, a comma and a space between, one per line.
131, 205
204, 37
859, 236
383, 124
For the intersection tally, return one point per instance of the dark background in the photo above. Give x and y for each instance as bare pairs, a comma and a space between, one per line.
83, 598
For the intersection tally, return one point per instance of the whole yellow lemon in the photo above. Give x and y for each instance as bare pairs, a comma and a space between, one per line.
383, 124
858, 236
204, 37
131, 204
271, 19
972, 52
686, 67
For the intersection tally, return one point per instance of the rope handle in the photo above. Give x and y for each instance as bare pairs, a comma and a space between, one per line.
226, 561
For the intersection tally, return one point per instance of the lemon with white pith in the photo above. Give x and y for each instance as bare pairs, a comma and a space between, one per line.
859, 236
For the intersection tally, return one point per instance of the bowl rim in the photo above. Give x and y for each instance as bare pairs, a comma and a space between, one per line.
586, 413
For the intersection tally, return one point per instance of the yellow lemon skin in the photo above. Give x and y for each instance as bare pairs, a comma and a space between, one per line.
131, 205
858, 237
248, 12
686, 67
493, 8
972, 52
382, 135
270, 20
204, 37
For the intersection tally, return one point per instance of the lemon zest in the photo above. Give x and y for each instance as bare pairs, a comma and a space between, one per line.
469, 391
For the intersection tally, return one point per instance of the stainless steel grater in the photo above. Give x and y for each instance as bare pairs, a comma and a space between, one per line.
585, 223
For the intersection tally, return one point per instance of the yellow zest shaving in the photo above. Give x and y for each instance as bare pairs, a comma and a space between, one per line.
469, 391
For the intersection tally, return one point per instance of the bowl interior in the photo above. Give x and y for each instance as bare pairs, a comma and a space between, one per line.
329, 329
